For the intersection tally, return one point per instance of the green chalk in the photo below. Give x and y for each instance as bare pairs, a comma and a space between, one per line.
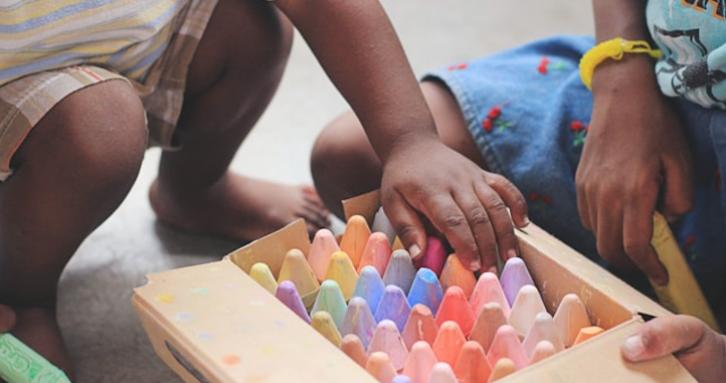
20, 364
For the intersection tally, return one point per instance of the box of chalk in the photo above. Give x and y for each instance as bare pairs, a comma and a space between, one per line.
358, 308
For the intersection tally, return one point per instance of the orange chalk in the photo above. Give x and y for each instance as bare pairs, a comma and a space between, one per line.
472, 365
542, 350
322, 249
490, 319
587, 333
506, 344
503, 368
455, 274
355, 238
376, 253
386, 338
420, 326
341, 270
570, 317
380, 367
488, 289
527, 305
420, 362
295, 268
352, 346
456, 307
448, 342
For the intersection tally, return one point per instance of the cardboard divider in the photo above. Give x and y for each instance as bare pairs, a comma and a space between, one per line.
213, 323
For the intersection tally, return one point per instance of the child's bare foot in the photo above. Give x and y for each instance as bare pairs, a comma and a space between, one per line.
238, 207
37, 328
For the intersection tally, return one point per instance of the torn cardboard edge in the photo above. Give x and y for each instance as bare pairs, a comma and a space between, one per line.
611, 303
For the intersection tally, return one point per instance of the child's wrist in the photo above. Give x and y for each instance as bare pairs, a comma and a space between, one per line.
631, 73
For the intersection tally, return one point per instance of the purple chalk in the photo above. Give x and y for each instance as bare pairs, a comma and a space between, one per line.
401, 379
359, 320
393, 306
400, 271
514, 276
288, 295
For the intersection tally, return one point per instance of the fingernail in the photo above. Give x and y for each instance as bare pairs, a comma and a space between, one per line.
633, 347
526, 220
511, 253
493, 269
475, 265
414, 251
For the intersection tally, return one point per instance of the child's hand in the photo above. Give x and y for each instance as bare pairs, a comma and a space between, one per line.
634, 150
7, 318
701, 350
464, 202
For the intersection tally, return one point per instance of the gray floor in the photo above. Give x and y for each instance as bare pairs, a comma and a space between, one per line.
104, 336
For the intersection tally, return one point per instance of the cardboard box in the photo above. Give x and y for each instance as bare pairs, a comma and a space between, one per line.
213, 323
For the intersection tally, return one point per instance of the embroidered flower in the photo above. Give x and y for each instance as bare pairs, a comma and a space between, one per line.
494, 120
458, 66
579, 129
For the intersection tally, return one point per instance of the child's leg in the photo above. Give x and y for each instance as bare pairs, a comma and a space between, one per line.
344, 164
235, 72
71, 173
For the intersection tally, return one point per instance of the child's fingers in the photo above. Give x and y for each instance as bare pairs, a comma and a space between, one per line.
7, 318
637, 233
406, 222
511, 196
500, 221
448, 218
664, 336
480, 221
678, 192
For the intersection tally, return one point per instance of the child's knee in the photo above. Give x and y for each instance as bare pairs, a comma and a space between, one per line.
97, 136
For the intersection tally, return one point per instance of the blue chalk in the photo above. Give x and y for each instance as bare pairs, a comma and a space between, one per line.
369, 286
426, 290
401, 379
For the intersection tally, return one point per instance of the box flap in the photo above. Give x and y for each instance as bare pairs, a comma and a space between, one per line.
271, 249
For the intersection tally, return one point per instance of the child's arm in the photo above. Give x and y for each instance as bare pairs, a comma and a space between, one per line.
701, 350
635, 149
357, 46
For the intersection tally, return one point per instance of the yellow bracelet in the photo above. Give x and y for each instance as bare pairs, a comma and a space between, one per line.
612, 49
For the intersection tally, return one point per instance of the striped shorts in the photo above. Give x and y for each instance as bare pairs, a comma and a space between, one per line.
25, 100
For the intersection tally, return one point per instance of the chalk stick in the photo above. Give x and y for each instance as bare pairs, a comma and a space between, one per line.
382, 224
353, 347
420, 325
586, 333
488, 289
514, 276
472, 365
455, 274
490, 319
287, 294
570, 317
386, 338
442, 373
355, 238
295, 268
543, 329
321, 250
401, 379
330, 299
400, 271
323, 323
341, 270
377, 253
506, 344
393, 306
454, 306
369, 287
525, 308
434, 256
543, 350
359, 320
380, 367
426, 290
448, 342
420, 362
20, 364
262, 274
504, 367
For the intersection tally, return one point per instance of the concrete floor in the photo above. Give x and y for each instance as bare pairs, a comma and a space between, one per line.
105, 338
